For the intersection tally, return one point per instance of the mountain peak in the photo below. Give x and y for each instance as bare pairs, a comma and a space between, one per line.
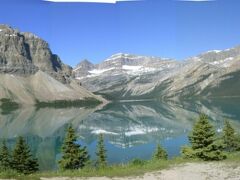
84, 63
118, 56
5, 26
7, 29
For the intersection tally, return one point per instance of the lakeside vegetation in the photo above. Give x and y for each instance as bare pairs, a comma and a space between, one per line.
120, 170
205, 145
87, 102
7, 105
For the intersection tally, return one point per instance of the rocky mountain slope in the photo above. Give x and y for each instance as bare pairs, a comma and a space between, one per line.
123, 76
29, 71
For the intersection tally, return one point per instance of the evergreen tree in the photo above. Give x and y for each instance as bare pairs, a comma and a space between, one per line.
73, 155
22, 159
160, 153
204, 144
229, 137
101, 152
5, 159
203, 133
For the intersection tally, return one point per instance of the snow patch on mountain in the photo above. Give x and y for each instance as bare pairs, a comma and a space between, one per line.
229, 49
137, 69
223, 63
131, 57
79, 78
214, 51
100, 71
132, 68
11, 35
116, 56
77, 69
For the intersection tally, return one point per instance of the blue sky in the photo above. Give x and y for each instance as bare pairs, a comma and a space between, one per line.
164, 28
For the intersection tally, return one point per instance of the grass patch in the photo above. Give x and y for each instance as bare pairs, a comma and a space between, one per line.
7, 106
134, 168
233, 157
87, 102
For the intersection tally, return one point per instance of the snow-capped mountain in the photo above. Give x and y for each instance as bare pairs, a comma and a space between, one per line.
120, 69
123, 64
125, 76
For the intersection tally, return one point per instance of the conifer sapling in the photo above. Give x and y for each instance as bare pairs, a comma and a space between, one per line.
160, 153
229, 137
73, 155
22, 159
5, 159
101, 152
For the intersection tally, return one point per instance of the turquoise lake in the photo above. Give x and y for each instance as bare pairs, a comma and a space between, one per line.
131, 129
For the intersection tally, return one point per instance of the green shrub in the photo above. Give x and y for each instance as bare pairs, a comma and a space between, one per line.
188, 153
138, 162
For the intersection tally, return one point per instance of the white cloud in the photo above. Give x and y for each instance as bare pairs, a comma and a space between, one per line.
91, 1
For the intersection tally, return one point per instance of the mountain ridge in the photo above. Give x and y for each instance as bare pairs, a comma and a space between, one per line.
122, 76
132, 77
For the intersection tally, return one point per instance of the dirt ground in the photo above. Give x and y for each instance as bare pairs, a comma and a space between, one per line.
189, 171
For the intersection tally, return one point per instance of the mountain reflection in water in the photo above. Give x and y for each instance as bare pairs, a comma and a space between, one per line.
131, 129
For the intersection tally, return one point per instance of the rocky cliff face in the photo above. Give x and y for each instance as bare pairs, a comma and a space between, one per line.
29, 71
25, 53
124, 76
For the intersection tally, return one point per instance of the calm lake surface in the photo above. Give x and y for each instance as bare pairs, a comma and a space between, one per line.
131, 129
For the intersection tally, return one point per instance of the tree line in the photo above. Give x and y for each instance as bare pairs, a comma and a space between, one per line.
21, 159
205, 144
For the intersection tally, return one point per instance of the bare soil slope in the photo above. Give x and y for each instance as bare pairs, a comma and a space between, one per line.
40, 86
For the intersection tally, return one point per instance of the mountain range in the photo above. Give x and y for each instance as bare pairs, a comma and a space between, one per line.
30, 72
213, 74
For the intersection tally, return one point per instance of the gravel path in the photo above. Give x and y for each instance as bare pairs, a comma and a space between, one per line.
189, 171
